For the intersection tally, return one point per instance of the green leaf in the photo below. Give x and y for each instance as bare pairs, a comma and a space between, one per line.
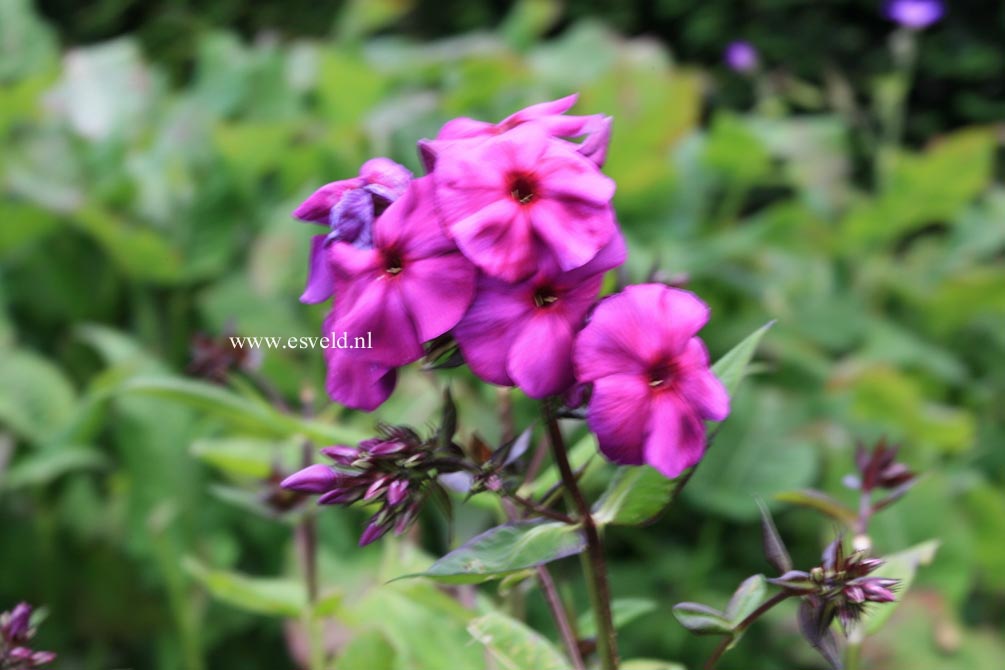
514, 646
506, 549
44, 466
635, 495
758, 452
240, 411
623, 611
368, 650
702, 619
731, 368
821, 502
238, 457
902, 565
650, 664
747, 598
735, 151
261, 595
36, 400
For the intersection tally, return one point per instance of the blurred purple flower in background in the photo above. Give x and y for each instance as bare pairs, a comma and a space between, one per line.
741, 56
915, 14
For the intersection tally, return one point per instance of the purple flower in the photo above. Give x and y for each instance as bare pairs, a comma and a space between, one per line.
741, 56
652, 387
522, 333
411, 286
510, 200
15, 634
596, 130
915, 14
348, 208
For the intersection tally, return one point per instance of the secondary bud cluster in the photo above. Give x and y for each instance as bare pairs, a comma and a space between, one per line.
879, 468
15, 634
395, 471
840, 586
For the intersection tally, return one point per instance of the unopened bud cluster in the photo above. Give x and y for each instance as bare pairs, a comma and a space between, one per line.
15, 634
395, 471
840, 586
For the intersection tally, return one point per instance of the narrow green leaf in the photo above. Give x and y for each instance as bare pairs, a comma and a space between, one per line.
634, 496
44, 466
240, 411
514, 646
623, 611
261, 595
702, 619
731, 368
821, 502
238, 457
506, 549
774, 547
747, 598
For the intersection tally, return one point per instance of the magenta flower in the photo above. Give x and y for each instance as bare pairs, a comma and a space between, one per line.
915, 14
514, 199
348, 208
652, 387
741, 56
595, 129
411, 286
521, 334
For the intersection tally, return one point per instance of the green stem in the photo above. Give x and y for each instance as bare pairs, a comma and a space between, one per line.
742, 626
594, 564
561, 616
852, 654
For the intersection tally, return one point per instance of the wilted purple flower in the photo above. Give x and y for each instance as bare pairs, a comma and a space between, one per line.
521, 334
510, 200
652, 387
15, 634
396, 471
596, 130
348, 208
915, 14
741, 56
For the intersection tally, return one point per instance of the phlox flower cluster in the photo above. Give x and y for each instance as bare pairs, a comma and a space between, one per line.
503, 246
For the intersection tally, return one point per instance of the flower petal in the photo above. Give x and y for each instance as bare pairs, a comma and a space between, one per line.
699, 386
486, 332
498, 240
316, 208
381, 315
540, 360
320, 282
618, 413
356, 382
437, 291
573, 232
675, 436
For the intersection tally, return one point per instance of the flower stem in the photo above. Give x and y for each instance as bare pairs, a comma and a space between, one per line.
593, 560
561, 616
742, 626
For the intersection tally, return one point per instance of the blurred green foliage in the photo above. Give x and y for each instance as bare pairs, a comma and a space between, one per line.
146, 189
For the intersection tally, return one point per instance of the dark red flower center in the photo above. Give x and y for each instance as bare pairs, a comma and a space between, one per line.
662, 374
522, 187
545, 296
392, 263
